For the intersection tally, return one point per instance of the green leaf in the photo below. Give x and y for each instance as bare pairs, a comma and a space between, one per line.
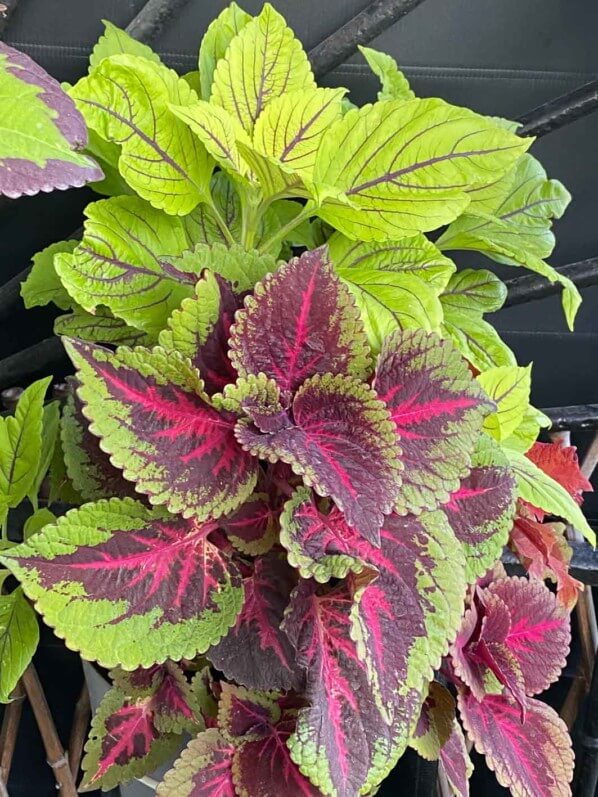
286, 138
107, 154
510, 222
19, 636
415, 255
50, 426
115, 41
395, 85
525, 435
101, 327
36, 522
215, 43
391, 300
126, 100
218, 131
392, 169
43, 285
509, 388
123, 261
539, 489
20, 444
263, 62
474, 291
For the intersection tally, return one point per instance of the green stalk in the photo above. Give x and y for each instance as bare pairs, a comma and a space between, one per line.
222, 224
280, 235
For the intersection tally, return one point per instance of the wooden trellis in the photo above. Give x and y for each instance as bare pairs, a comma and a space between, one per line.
23, 366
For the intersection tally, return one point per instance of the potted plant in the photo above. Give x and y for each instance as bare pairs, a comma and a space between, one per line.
300, 448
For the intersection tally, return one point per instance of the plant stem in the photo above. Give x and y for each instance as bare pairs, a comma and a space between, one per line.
5, 528
251, 206
222, 224
279, 236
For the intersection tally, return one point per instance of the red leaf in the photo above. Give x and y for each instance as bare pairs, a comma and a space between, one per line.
455, 761
560, 463
545, 553
534, 758
300, 321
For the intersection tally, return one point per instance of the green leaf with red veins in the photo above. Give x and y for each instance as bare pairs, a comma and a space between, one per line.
435, 723
87, 466
256, 652
153, 418
455, 762
151, 586
126, 261
221, 31
300, 321
203, 770
405, 167
377, 647
101, 326
341, 440
533, 758
437, 409
124, 742
481, 511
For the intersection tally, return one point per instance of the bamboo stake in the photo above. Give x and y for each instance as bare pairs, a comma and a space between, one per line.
9, 731
57, 759
79, 730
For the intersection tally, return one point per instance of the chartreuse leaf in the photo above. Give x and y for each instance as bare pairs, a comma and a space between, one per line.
151, 586
215, 43
437, 409
286, 138
50, 427
204, 768
263, 62
37, 521
115, 41
149, 408
87, 466
43, 284
124, 742
41, 131
126, 100
511, 223
99, 327
107, 154
540, 490
378, 641
21, 444
392, 300
481, 510
468, 295
525, 435
435, 723
125, 262
386, 162
218, 131
415, 255
509, 388
394, 84
532, 757
19, 635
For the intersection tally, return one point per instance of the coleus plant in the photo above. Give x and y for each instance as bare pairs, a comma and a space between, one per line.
296, 474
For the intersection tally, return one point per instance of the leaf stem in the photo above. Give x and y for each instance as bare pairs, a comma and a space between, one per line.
279, 236
222, 224
5, 528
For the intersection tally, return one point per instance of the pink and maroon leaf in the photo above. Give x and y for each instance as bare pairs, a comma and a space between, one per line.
149, 409
341, 440
532, 758
456, 762
438, 410
203, 770
300, 321
256, 652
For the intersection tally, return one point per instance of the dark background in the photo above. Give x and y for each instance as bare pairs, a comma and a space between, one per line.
501, 57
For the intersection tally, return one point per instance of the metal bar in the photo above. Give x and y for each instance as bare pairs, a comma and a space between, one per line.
39, 360
7, 8
150, 21
10, 293
533, 286
577, 418
361, 29
561, 111
583, 566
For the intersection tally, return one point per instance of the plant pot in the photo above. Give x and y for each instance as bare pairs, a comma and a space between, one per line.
98, 686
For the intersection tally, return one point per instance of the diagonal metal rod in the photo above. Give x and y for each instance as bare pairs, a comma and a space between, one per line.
150, 21
361, 29
7, 8
561, 111
533, 286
